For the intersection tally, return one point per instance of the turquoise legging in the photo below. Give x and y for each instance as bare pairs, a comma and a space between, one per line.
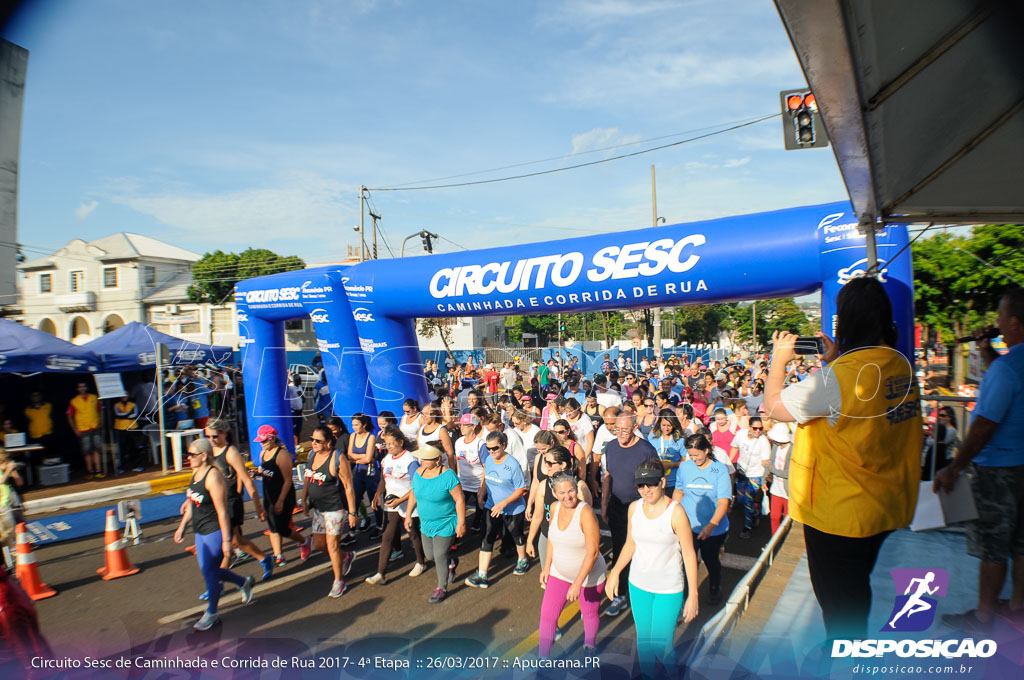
655, 617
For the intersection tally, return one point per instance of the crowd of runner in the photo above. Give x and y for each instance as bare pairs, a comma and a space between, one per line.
532, 463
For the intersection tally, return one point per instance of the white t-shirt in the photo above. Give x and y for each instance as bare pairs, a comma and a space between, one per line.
517, 450
817, 396
398, 479
295, 397
582, 427
469, 456
608, 398
508, 378
752, 452
722, 456
527, 437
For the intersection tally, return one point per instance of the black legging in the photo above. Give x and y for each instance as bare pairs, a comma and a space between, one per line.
710, 551
393, 525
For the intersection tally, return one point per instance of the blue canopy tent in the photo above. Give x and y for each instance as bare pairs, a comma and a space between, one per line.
133, 346
27, 350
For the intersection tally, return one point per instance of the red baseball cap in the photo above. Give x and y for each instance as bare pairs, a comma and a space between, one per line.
264, 433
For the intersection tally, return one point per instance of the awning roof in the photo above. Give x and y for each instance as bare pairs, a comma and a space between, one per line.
923, 102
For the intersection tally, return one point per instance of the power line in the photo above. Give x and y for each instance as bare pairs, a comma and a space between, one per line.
570, 155
583, 165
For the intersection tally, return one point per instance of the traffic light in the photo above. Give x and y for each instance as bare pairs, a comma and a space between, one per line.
427, 245
802, 127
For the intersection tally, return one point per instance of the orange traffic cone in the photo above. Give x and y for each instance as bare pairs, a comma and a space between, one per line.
118, 564
27, 571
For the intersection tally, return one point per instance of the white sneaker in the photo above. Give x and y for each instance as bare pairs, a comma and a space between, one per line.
376, 580
206, 623
418, 569
247, 590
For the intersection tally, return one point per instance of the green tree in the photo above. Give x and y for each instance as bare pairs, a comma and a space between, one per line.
442, 328
215, 274
702, 324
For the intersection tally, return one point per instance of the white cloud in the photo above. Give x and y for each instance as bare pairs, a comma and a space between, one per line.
297, 206
600, 138
736, 162
83, 209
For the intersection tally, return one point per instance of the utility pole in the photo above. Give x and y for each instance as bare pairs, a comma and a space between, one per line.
754, 325
654, 223
362, 232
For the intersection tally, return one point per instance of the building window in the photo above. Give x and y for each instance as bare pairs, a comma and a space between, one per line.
149, 276
110, 277
46, 283
224, 321
76, 282
191, 328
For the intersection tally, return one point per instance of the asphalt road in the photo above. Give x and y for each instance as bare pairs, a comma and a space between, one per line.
146, 619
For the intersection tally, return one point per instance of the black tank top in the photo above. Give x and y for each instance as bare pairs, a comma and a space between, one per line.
273, 480
230, 477
204, 514
549, 499
324, 490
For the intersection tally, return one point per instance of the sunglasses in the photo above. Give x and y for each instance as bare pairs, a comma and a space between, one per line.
493, 448
646, 485
560, 432
319, 441
757, 429
551, 462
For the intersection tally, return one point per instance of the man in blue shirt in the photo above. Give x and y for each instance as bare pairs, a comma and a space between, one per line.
994, 448
504, 487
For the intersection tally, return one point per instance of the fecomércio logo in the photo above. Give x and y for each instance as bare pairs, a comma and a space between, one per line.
914, 610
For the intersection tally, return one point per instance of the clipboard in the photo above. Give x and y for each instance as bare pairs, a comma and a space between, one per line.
938, 510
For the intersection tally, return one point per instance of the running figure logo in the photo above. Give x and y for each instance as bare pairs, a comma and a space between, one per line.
914, 610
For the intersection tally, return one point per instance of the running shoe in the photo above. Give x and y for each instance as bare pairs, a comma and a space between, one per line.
205, 596
247, 590
745, 533
377, 579
453, 564
618, 605
88, 476
714, 594
558, 633
477, 580
306, 548
396, 555
280, 561
206, 623
417, 569
140, 469
268, 567
376, 534
338, 589
589, 650
364, 524
100, 475
439, 594
119, 471
346, 563
347, 541
239, 558
522, 566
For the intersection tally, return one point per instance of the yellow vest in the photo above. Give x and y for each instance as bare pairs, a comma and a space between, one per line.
860, 477
121, 410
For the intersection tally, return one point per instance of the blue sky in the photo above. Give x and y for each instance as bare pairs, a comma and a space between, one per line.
235, 124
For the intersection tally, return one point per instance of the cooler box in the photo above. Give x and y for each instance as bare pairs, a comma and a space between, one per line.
48, 475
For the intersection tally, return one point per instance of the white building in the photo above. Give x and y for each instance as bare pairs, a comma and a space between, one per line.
87, 289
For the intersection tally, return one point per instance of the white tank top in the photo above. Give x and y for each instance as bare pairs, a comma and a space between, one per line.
570, 548
469, 457
410, 428
657, 565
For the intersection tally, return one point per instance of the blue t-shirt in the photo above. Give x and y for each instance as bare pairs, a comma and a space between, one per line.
197, 398
435, 504
702, 489
1001, 400
503, 479
669, 451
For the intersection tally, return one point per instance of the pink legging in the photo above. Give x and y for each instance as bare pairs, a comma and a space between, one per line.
554, 602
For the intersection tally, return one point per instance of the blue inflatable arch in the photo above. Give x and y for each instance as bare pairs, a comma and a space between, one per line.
364, 315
